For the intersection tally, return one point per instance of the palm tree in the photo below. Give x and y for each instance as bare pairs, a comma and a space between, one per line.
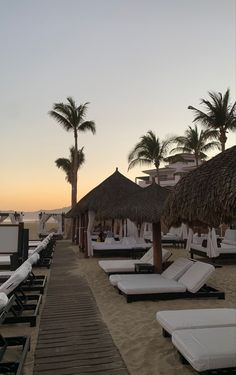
71, 117
197, 143
150, 150
220, 115
67, 165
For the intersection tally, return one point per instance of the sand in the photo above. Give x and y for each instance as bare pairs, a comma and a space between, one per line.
133, 326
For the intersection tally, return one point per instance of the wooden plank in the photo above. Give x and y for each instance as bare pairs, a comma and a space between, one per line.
73, 339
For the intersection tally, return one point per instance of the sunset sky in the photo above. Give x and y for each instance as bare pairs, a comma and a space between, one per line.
139, 63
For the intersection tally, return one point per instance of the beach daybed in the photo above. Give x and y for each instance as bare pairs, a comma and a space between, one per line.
13, 364
173, 320
191, 284
173, 272
207, 348
128, 265
127, 246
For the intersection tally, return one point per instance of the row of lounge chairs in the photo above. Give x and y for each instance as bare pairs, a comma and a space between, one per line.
205, 338
19, 303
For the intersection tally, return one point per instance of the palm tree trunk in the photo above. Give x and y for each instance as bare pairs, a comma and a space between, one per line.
74, 186
222, 139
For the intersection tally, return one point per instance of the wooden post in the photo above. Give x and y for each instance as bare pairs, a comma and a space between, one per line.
157, 251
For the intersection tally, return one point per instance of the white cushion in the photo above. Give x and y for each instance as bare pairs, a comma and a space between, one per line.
115, 279
16, 278
173, 320
33, 258
3, 300
147, 284
128, 265
207, 348
5, 260
230, 234
109, 240
123, 265
177, 269
196, 276
229, 242
148, 256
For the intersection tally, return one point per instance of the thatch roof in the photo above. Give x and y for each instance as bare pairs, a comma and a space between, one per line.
145, 205
110, 193
206, 195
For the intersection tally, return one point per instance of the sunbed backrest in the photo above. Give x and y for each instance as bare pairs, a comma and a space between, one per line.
16, 278
3, 300
196, 276
177, 269
147, 256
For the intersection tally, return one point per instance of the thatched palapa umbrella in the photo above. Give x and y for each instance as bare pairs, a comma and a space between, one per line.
145, 205
112, 192
206, 195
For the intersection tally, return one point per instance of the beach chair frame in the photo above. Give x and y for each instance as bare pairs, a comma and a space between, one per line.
13, 367
225, 256
205, 292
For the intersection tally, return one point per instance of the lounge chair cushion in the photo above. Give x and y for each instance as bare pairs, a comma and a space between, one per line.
173, 320
115, 279
128, 265
33, 258
207, 348
3, 300
5, 260
177, 269
196, 276
144, 284
174, 271
16, 278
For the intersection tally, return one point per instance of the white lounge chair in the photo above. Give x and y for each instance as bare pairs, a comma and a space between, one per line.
207, 348
173, 320
11, 287
173, 272
190, 285
128, 265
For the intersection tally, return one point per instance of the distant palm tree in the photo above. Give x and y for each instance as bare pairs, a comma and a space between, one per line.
220, 115
67, 165
195, 142
150, 150
71, 117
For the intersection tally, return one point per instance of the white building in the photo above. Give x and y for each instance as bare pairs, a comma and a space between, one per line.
171, 173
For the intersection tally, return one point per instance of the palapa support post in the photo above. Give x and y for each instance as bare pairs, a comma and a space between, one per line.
157, 250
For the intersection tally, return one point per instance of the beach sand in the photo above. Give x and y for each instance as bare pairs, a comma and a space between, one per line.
133, 326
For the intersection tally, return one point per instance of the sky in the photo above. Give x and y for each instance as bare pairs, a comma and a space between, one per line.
139, 63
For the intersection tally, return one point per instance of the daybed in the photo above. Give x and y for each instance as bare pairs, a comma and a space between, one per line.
190, 285
128, 265
207, 348
172, 320
173, 272
127, 246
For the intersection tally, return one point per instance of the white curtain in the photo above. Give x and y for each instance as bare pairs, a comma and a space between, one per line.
91, 218
189, 239
12, 218
142, 228
212, 248
132, 230
42, 222
58, 219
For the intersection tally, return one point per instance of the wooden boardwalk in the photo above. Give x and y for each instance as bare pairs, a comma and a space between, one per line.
73, 339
